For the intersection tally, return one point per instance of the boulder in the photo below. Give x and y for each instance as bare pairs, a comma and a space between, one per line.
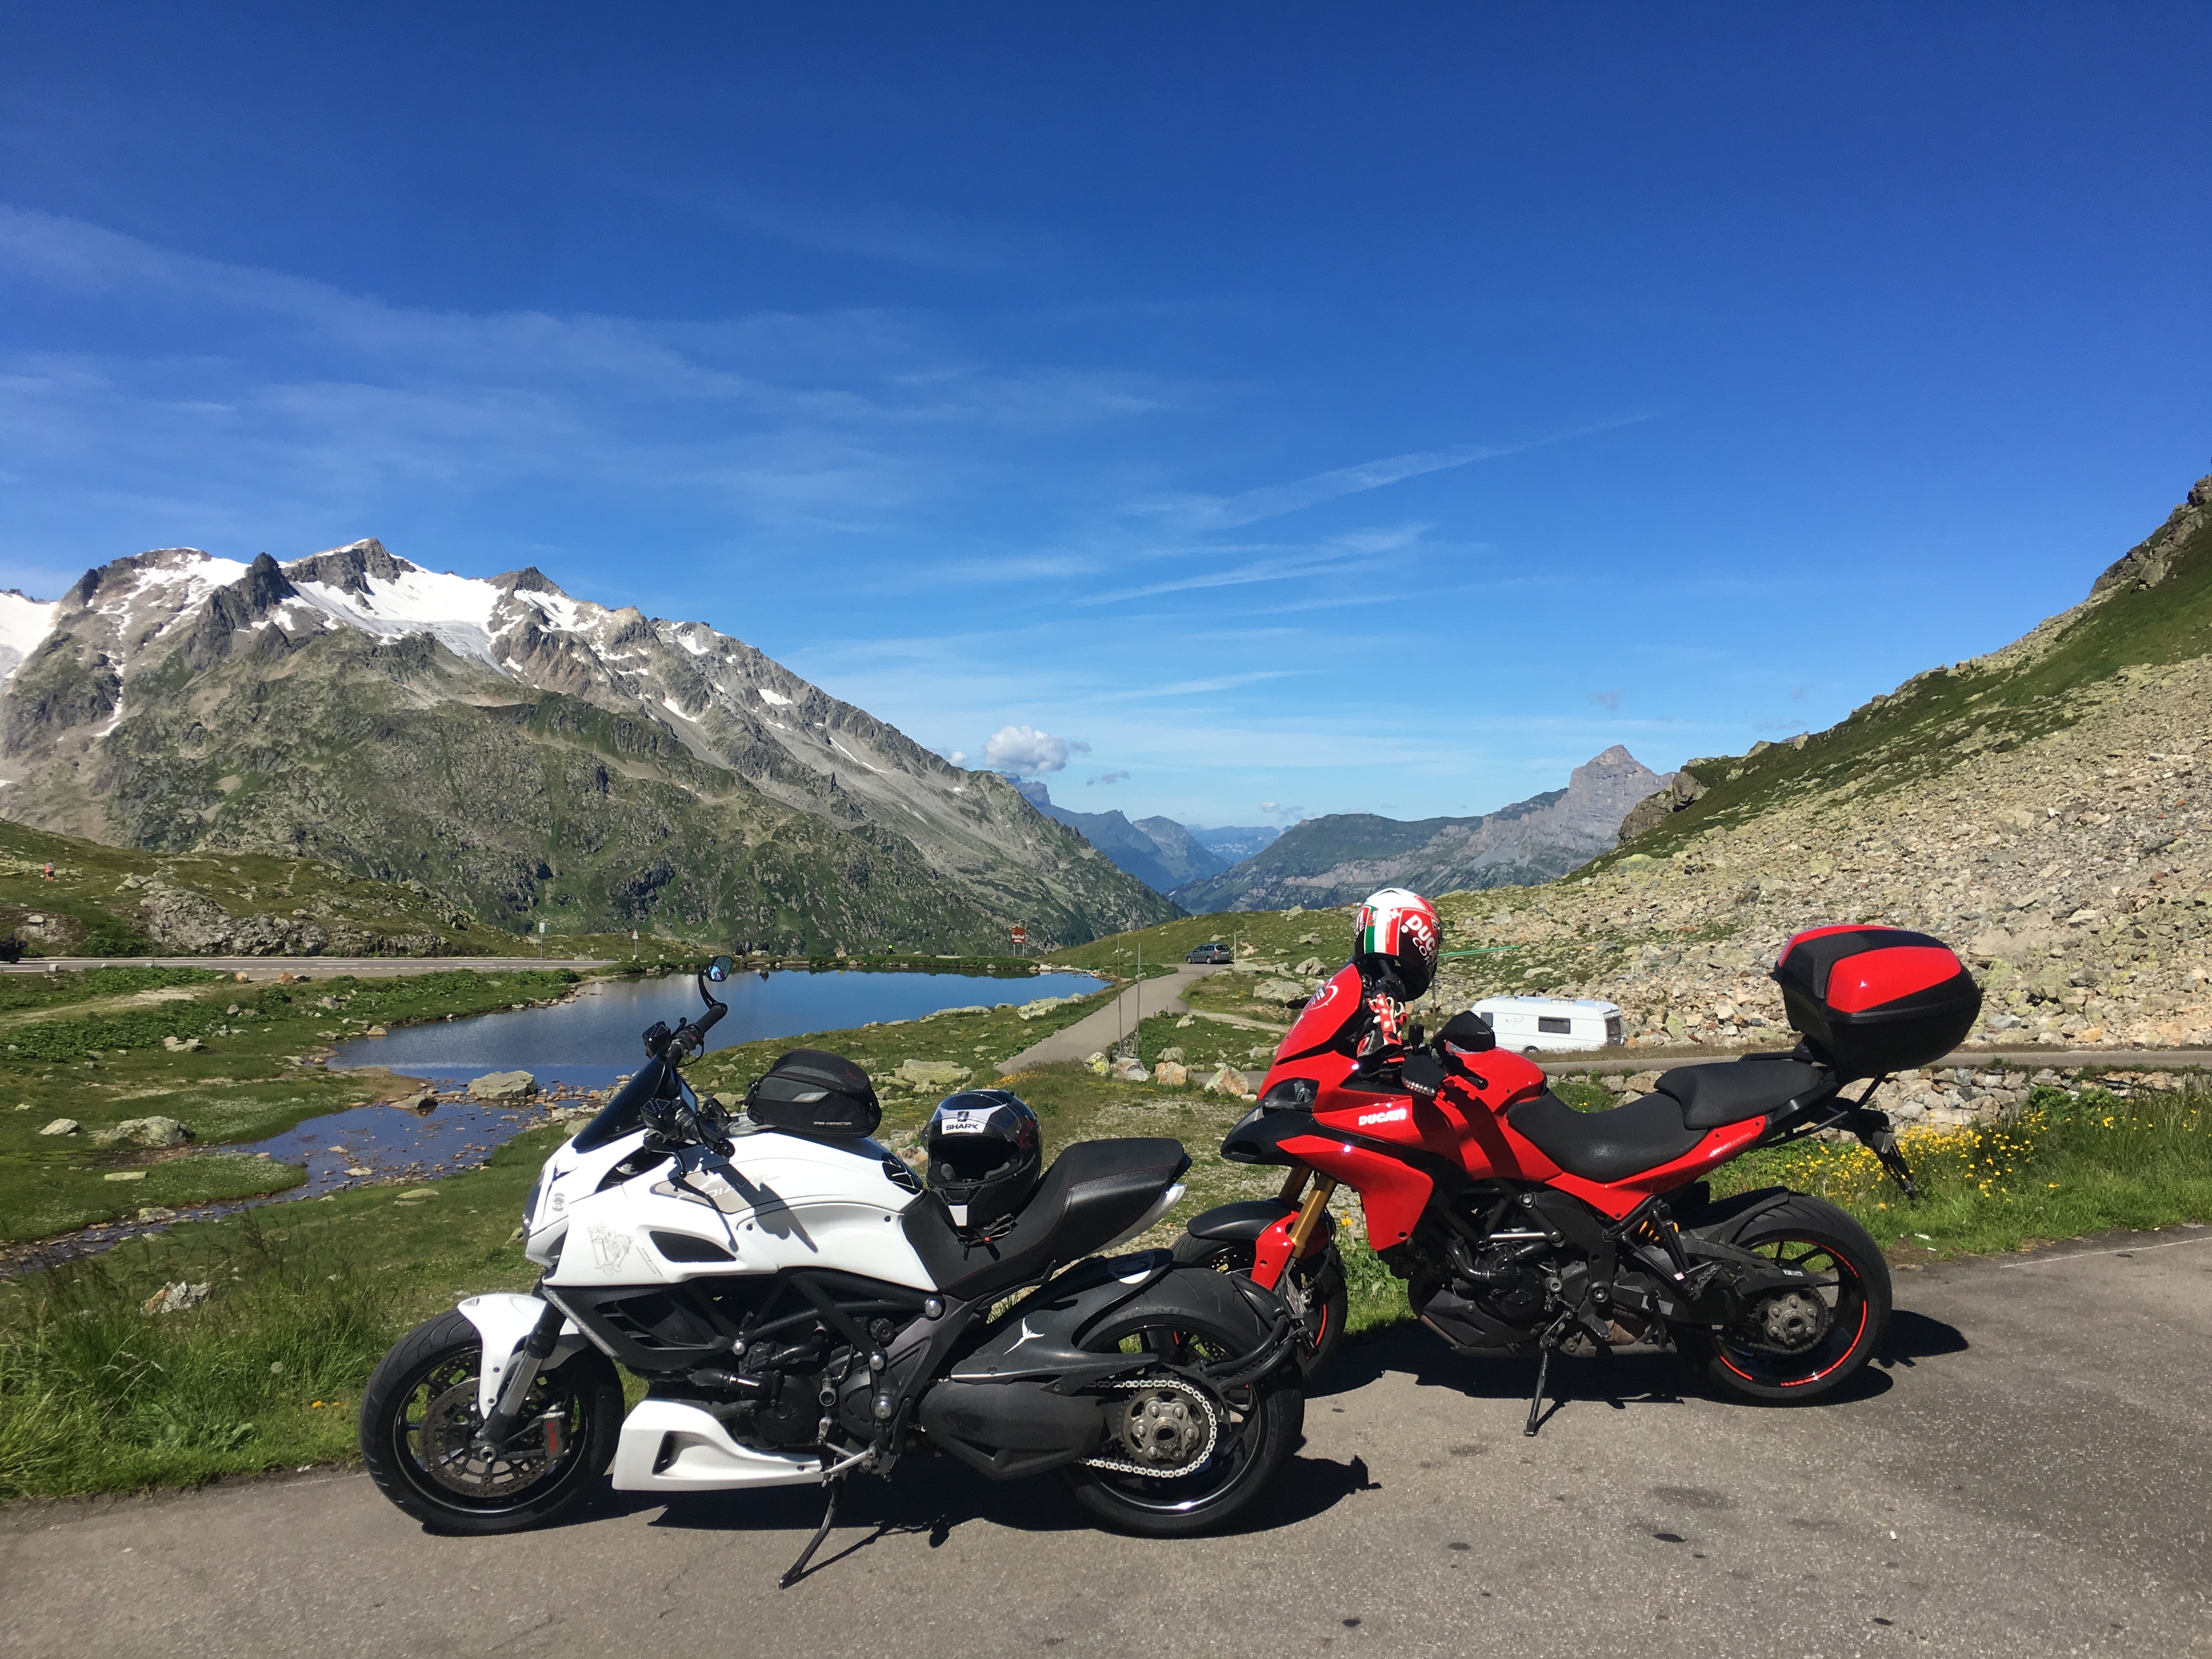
1130, 1070
1226, 1081
1171, 1073
147, 1131
931, 1073
503, 1085
177, 1045
1280, 990
175, 1299
62, 1126
422, 1102
1176, 1055
1310, 965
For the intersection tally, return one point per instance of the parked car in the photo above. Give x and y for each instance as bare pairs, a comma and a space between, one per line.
1215, 952
1529, 1023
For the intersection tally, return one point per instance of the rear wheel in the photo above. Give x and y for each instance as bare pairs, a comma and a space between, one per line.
1313, 1287
1180, 1453
419, 1419
1799, 1344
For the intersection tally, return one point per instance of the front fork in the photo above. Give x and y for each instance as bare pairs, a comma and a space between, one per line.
1293, 1236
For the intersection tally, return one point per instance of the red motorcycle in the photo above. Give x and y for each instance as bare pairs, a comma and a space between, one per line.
1522, 1226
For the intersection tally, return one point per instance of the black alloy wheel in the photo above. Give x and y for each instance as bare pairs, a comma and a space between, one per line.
1313, 1287
1216, 1449
1799, 1344
419, 1419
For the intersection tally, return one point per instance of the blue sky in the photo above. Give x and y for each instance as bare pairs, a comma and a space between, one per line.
1307, 410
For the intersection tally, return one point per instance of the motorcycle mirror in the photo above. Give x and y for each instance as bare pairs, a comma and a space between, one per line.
721, 969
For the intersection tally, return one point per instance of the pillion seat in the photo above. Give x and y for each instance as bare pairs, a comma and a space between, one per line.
1687, 1104
1728, 1091
1094, 1192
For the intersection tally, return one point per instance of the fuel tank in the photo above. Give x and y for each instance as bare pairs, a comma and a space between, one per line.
779, 1200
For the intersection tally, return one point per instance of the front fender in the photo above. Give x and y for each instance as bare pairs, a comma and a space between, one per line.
504, 1319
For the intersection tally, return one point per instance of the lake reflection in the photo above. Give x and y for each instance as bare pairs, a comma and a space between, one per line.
591, 1040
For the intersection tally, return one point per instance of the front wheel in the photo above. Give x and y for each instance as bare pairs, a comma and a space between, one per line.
419, 1419
1801, 1344
1181, 1455
1313, 1288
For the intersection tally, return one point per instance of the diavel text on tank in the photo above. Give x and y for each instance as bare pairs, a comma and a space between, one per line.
1523, 1226
801, 1306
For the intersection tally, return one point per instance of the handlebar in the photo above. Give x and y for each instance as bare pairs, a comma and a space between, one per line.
678, 1121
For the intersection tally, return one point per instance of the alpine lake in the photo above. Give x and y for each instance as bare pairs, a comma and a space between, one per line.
425, 1123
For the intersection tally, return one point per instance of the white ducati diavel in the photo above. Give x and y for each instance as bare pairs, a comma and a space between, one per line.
800, 1307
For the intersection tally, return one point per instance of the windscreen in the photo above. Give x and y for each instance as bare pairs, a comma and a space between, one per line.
625, 1114
1325, 1016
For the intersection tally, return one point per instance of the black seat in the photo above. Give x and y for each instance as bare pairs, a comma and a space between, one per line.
1729, 1091
1094, 1192
1605, 1146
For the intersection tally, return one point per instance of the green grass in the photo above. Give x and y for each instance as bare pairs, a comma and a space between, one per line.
100, 1059
97, 1396
1284, 936
2069, 1165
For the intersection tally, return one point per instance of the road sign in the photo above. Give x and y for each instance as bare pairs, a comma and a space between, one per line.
1021, 934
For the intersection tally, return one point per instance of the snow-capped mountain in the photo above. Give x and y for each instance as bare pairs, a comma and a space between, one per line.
528, 754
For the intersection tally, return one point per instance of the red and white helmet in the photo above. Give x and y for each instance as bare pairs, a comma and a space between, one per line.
1398, 928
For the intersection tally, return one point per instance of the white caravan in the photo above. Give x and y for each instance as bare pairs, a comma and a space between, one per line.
1525, 1024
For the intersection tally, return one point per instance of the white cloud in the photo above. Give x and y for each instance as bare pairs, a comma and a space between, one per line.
1025, 752
1107, 777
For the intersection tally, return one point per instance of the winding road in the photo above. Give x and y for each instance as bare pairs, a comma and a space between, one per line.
2024, 1473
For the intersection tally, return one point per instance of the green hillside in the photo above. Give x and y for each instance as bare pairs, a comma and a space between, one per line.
2153, 608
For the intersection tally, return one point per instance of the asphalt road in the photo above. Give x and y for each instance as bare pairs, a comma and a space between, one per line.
1098, 1032
2028, 1472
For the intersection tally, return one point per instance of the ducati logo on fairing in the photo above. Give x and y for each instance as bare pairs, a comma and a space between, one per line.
1395, 1114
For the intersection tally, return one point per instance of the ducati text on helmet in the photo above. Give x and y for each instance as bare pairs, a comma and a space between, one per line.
986, 1155
1397, 928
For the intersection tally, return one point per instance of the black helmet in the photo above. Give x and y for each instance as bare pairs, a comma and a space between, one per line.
986, 1155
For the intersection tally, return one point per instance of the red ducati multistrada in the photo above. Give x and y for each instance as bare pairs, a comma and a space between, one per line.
1523, 1226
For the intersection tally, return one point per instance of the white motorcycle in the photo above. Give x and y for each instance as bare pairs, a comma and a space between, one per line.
800, 1309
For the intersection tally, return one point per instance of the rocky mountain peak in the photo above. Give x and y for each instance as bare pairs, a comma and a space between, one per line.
483, 735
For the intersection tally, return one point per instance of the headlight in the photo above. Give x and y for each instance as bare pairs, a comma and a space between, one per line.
1294, 1094
530, 1203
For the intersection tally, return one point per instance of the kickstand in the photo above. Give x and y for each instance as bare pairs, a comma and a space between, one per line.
1536, 1400
798, 1569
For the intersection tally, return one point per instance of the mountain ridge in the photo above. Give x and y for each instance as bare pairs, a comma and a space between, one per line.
527, 755
1342, 857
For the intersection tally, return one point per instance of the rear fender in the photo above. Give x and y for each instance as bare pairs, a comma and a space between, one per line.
1725, 1219
503, 1320
1055, 1335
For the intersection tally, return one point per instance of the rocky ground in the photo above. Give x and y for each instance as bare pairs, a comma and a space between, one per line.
2073, 873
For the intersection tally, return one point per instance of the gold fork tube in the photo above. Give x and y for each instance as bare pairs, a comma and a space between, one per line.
1308, 1221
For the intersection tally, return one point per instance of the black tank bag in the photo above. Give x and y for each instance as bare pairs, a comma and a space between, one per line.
810, 1092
